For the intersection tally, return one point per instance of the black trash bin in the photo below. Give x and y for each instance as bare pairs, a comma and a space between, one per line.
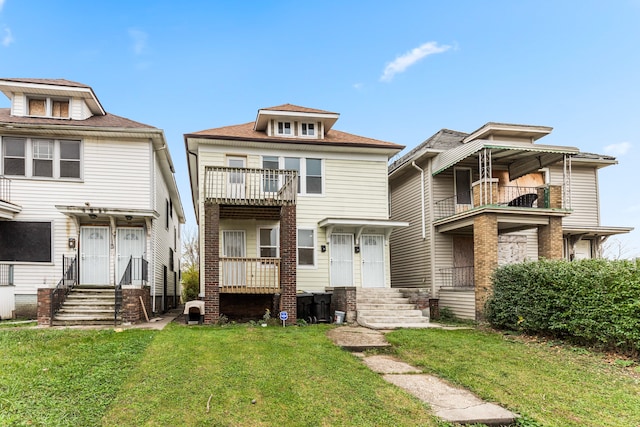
322, 307
305, 307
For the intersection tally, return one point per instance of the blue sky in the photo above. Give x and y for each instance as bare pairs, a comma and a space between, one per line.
397, 71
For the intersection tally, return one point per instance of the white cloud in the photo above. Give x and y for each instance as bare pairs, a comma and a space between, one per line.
402, 62
618, 149
7, 38
1, 4
139, 40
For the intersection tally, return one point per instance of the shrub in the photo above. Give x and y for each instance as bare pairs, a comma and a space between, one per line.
190, 283
594, 302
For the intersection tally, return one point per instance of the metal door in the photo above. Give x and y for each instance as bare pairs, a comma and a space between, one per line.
372, 254
341, 259
234, 247
130, 246
94, 256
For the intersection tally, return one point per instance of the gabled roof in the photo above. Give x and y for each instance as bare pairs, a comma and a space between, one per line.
52, 87
296, 109
290, 112
246, 132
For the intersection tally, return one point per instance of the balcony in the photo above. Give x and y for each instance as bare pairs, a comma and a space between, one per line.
511, 197
5, 189
250, 187
249, 275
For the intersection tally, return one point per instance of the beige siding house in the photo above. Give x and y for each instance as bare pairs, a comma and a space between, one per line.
287, 204
494, 196
87, 200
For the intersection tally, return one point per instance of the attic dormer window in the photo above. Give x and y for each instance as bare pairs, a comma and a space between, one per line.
284, 128
49, 107
307, 129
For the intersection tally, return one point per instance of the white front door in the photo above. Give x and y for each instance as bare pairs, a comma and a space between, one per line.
341, 259
236, 180
130, 246
94, 256
234, 246
372, 253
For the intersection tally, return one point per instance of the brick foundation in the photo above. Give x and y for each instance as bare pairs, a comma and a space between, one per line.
344, 299
131, 311
44, 306
485, 253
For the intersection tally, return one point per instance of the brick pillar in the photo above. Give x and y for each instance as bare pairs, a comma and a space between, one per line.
492, 192
288, 261
550, 239
343, 298
44, 306
550, 196
485, 253
211, 262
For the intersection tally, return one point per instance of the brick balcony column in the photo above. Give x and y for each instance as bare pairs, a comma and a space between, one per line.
211, 262
485, 253
288, 261
550, 243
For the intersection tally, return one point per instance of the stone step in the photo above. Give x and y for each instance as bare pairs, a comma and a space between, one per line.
368, 306
101, 289
390, 313
83, 322
85, 310
385, 318
382, 300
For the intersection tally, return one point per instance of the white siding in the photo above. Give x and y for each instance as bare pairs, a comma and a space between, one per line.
461, 302
443, 243
584, 195
7, 302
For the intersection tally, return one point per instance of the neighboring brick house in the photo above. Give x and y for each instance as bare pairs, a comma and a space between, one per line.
284, 204
88, 199
495, 196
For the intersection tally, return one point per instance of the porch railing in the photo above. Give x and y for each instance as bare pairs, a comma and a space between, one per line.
64, 286
457, 277
242, 186
510, 196
249, 275
5, 189
6, 275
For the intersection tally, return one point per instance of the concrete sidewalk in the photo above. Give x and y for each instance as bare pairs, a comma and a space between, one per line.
447, 402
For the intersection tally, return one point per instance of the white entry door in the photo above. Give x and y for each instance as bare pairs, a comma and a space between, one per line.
130, 244
94, 256
234, 270
372, 252
236, 180
341, 259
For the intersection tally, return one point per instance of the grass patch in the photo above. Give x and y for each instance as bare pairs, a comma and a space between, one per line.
295, 375
17, 323
64, 377
551, 384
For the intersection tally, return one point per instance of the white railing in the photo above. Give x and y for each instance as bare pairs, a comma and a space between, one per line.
242, 186
249, 275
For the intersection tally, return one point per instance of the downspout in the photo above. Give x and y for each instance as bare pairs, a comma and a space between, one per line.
424, 232
152, 230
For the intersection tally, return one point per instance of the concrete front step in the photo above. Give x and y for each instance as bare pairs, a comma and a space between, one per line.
85, 322
381, 306
382, 300
411, 312
387, 309
406, 325
85, 310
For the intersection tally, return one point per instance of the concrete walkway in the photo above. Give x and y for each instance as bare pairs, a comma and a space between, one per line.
449, 403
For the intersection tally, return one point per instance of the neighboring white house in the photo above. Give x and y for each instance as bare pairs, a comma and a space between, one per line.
84, 194
286, 203
494, 196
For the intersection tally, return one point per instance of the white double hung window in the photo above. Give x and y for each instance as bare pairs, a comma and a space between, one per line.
310, 173
40, 158
268, 242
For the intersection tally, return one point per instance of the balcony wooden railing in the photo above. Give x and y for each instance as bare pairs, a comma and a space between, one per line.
254, 187
249, 275
5, 189
508, 196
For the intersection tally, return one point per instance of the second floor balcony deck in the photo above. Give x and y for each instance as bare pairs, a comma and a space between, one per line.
8, 210
250, 187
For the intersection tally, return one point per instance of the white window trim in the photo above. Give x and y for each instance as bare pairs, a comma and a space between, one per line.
258, 243
315, 249
29, 158
303, 173
315, 130
48, 106
291, 128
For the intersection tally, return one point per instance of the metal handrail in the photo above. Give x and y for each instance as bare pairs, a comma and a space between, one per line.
457, 277
6, 275
64, 286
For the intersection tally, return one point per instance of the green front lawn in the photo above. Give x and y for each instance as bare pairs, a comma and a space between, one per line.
553, 384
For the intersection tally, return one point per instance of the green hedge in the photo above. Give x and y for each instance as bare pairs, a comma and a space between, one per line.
593, 302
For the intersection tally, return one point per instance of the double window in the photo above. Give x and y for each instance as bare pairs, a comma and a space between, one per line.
48, 107
309, 173
35, 157
284, 128
305, 129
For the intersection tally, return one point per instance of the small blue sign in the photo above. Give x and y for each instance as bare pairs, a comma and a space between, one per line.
284, 315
